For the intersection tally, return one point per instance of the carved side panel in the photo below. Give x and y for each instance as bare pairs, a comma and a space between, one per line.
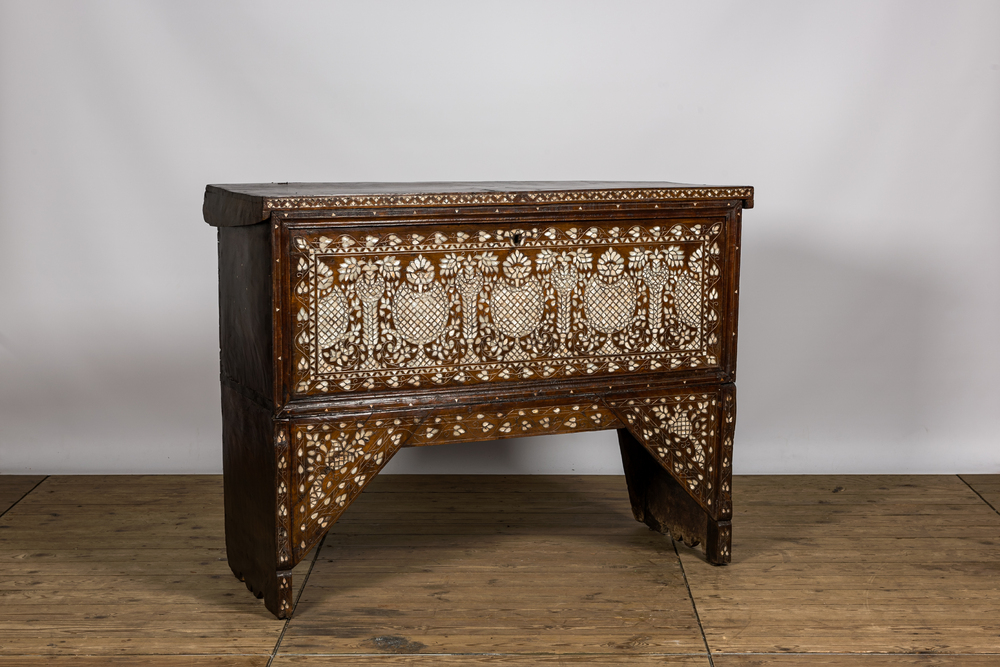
333, 462
453, 306
682, 431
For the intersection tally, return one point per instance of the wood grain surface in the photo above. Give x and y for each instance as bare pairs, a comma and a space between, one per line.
986, 486
14, 487
844, 564
855, 660
135, 566
283, 660
828, 571
525, 565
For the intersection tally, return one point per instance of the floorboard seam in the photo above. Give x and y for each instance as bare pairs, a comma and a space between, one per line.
305, 582
988, 503
891, 654
540, 654
694, 606
26, 493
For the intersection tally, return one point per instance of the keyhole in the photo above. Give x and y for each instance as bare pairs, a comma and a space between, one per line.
517, 239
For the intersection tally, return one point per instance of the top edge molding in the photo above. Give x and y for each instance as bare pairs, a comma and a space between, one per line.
228, 205
506, 198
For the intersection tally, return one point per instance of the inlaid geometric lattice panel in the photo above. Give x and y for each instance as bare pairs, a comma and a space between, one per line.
394, 308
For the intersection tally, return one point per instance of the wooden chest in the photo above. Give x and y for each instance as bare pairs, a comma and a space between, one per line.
359, 318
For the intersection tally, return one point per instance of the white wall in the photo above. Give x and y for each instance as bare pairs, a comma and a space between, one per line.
871, 131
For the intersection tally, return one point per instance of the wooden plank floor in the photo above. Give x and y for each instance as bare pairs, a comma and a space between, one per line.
900, 565
130, 566
986, 487
422, 570
497, 565
15, 487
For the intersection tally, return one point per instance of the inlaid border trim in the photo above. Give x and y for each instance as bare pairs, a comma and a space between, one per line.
508, 198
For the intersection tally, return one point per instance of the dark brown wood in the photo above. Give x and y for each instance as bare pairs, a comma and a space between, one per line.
251, 203
245, 317
360, 318
249, 473
668, 506
657, 499
986, 487
14, 487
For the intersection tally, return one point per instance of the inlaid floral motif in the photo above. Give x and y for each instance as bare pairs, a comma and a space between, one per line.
683, 432
726, 462
333, 463
282, 458
396, 308
483, 423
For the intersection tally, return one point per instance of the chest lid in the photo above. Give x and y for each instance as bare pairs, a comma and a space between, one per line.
248, 204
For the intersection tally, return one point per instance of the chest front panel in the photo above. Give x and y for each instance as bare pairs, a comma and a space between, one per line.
461, 304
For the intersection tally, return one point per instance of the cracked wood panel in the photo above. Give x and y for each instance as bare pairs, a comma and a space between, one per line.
853, 564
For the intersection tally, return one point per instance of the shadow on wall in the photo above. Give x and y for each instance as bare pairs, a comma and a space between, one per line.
501, 456
834, 356
589, 453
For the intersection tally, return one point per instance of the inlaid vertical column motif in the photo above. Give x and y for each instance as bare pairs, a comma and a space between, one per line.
725, 502
393, 308
283, 506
